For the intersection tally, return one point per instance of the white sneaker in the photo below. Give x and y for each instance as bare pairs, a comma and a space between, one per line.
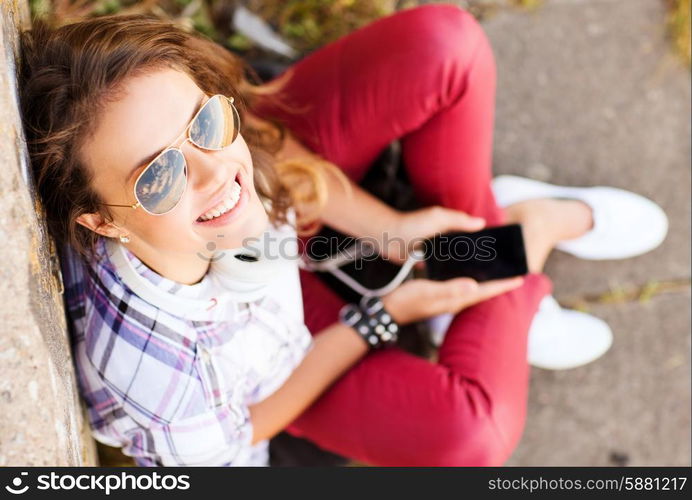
559, 339
437, 326
625, 224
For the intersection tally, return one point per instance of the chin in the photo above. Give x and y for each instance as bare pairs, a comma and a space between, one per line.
253, 226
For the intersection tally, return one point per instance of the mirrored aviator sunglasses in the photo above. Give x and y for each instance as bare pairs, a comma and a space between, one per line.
160, 186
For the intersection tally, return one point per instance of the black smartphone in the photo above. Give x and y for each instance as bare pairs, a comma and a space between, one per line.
492, 253
372, 272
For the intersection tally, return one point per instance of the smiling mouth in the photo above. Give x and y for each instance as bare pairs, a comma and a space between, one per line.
228, 203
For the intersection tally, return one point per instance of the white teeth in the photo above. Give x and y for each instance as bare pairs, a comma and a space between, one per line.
225, 205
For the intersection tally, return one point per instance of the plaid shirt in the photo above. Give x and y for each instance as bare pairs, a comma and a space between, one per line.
173, 389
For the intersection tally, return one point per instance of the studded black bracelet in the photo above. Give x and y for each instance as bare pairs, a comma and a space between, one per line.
371, 321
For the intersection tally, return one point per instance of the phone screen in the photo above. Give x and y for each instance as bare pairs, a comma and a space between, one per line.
492, 253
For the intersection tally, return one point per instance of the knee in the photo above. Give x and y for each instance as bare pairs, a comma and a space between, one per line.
483, 445
448, 32
484, 439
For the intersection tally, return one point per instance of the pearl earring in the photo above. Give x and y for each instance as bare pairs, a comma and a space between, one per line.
124, 238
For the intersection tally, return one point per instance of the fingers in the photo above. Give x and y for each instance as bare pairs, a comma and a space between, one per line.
491, 288
447, 296
458, 293
419, 298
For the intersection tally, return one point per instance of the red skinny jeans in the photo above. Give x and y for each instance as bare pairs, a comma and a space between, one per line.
425, 76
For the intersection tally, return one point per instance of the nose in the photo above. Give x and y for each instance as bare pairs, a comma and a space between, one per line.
206, 170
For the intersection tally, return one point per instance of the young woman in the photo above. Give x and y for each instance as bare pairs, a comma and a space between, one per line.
159, 164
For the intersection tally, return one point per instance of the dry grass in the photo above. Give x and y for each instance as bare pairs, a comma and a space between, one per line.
528, 4
621, 294
679, 27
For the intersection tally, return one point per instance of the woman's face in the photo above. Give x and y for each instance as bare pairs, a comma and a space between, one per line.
153, 111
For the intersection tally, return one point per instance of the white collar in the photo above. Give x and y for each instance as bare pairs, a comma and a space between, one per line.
200, 309
228, 282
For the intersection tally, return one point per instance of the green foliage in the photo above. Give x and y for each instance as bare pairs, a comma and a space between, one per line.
308, 24
40, 8
240, 42
107, 7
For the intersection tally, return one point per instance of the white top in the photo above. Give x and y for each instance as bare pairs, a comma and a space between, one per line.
180, 397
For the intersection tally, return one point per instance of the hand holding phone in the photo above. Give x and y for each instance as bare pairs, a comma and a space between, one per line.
492, 253
442, 297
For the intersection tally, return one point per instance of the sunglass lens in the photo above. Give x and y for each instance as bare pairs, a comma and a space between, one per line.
216, 125
161, 184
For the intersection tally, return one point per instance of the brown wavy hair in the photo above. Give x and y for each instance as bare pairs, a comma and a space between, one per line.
68, 74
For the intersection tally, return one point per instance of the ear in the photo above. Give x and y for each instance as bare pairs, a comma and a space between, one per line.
98, 224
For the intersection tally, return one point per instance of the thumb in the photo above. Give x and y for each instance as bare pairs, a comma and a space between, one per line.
456, 220
464, 285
